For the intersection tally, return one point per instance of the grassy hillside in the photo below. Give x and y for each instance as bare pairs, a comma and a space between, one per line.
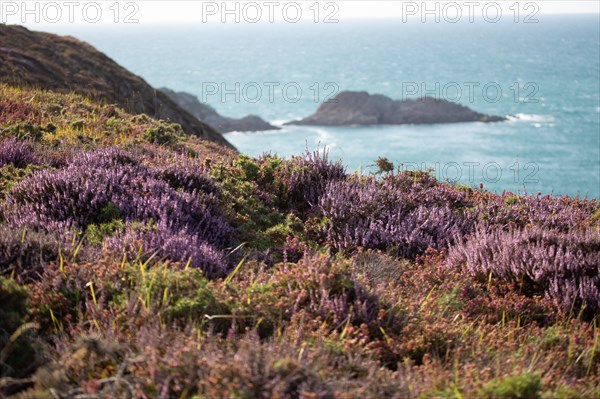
65, 64
138, 261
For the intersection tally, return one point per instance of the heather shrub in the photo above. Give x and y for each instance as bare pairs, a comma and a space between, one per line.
162, 241
562, 266
412, 212
72, 197
372, 214
11, 175
422, 188
176, 166
24, 254
104, 185
16, 153
509, 211
110, 186
182, 173
425, 228
351, 211
305, 178
316, 288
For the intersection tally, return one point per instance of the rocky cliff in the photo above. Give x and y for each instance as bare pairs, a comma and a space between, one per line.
65, 64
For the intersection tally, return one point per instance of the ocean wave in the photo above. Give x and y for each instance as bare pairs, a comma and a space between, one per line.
245, 133
280, 122
325, 137
531, 118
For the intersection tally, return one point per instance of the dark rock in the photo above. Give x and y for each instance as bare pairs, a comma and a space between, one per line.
362, 108
207, 114
65, 64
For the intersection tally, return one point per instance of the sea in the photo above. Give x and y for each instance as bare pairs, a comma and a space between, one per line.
543, 76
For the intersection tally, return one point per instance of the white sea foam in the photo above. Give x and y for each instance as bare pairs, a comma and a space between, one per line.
279, 122
325, 137
244, 133
531, 118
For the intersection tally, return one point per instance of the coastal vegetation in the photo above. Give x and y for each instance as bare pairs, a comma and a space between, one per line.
139, 261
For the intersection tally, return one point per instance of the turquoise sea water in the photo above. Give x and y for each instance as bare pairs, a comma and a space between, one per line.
548, 74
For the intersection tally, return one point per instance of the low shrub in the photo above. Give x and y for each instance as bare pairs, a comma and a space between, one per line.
523, 386
110, 185
372, 214
24, 254
562, 266
16, 153
306, 176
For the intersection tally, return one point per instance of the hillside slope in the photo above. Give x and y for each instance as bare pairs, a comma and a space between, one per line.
47, 61
140, 262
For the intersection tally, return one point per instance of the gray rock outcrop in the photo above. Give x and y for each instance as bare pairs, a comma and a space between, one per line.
362, 108
210, 116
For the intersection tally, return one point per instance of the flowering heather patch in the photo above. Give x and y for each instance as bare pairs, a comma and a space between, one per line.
510, 211
413, 212
183, 173
364, 212
420, 188
306, 177
330, 291
563, 266
16, 153
108, 184
173, 244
